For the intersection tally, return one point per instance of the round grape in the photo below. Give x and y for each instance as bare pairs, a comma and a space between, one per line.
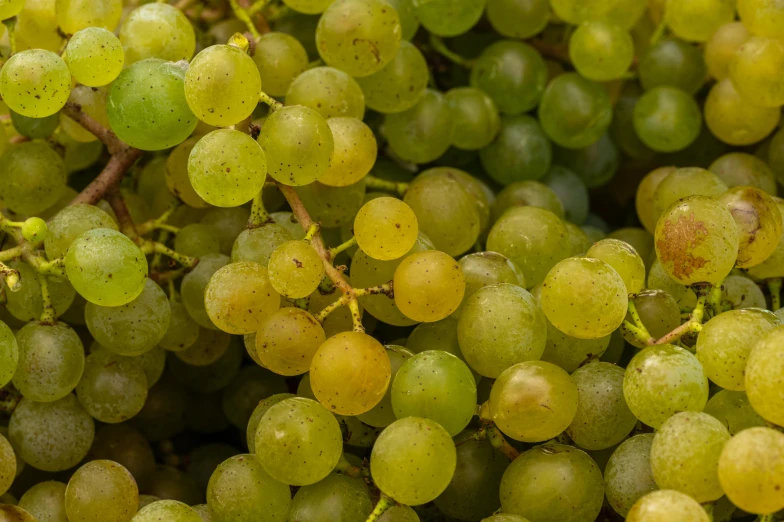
101, 490
35, 83
157, 30
750, 71
736, 121
763, 376
32, 176
697, 20
422, 133
354, 153
575, 112
169, 510
399, 85
449, 17
428, 286
667, 119
628, 474
295, 269
601, 51
667, 506
624, 259
328, 91
476, 121
386, 228
239, 296
113, 388
759, 223
94, 56
518, 19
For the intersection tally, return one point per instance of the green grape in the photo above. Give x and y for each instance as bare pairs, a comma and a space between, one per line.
758, 221
113, 388
15, 514
177, 179
674, 63
772, 266
628, 474
763, 376
738, 169
45, 501
182, 332
409, 23
78, 156
93, 103
196, 240
734, 120
330, 206
287, 340
258, 413
640, 239
244, 393
51, 361
157, 30
101, 490
26, 303
448, 17
570, 190
386, 228
239, 489
750, 469
94, 56
33, 128
76, 15
168, 510
692, 231
413, 460
296, 452
354, 153
7, 464
667, 506
750, 71
482, 269
308, 6
667, 119
685, 454
126, 446
135, 327
34, 230
659, 313
519, 19
51, 436
624, 259
152, 363
171, 483
280, 58
578, 239
574, 111
227, 223
435, 385
658, 279
697, 20
733, 410
239, 296
570, 352
10, 8
147, 108
162, 415
230, 99
505, 517
595, 164
741, 292
553, 483
35, 83
422, 133
662, 380
37, 26
399, 85
337, 498
382, 414
258, 244
601, 51
146, 500
763, 18
429, 286
9, 354
624, 13
194, 286
475, 115
329, 91
684, 182
212, 377
721, 47
32, 176
298, 144
359, 37
295, 269
512, 73
210, 345
520, 152
622, 125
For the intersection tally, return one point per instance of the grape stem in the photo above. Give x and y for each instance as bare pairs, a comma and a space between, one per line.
500, 443
774, 286
766, 518
714, 299
10, 24
333, 252
312, 231
159, 223
274, 104
258, 214
389, 186
693, 325
48, 314
11, 253
242, 14
438, 45
385, 289
150, 247
384, 503
344, 467
11, 277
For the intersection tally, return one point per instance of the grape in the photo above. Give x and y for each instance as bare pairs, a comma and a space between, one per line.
591, 286
32, 176
258, 414
295, 269
448, 17
570, 352
667, 506
206, 459
162, 415
763, 18
512, 73
772, 266
34, 230
422, 133
279, 58
35, 83
521, 151
386, 228
574, 111
429, 286
570, 190
750, 470
308, 6
409, 23
400, 84
742, 292
624, 259
354, 153
11, 8
733, 410
552, 483
157, 31
667, 119
763, 376
296, 452
504, 517
244, 393
94, 56
331, 206
126, 446
132, 328
518, 18
734, 120
239, 296
51, 436
45, 501
101, 490
257, 244
328, 91
212, 377
578, 239
721, 47
622, 12
601, 51
287, 340
475, 115
662, 380
659, 313
691, 232
194, 286
15, 514
738, 169
697, 20
196, 240
227, 223
182, 332
152, 363
683, 182
33, 128
147, 108
596, 164
26, 304
759, 223
671, 62
482, 269
92, 100
337, 498
413, 460
240, 489
169, 510
177, 179
113, 388
7, 464
628, 474
749, 71
210, 345
9, 354
622, 125
641, 240
382, 414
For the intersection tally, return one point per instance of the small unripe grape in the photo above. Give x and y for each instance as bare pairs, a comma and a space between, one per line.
34, 229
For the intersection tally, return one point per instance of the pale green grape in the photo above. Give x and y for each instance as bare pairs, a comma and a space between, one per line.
279, 58
34, 229
258, 414
337, 498
570, 190
751, 67
168, 510
295, 269
76, 15
358, 36
504, 517
239, 296
570, 352
733, 410
659, 313
520, 152
15, 514
222, 85
476, 121
662, 380
628, 474
33, 128
684, 182
32, 176
622, 12
287, 340
512, 73
308, 6
208, 348
482, 269
750, 470
429, 286
413, 460
624, 259
135, 327
101, 490
448, 17
435, 385
330, 206
667, 119
196, 240
113, 388
9, 354
35, 83
78, 156
94, 56
147, 107
194, 286
422, 133
157, 30
738, 169
409, 23
692, 231
26, 303
354, 153
227, 223
146, 500
672, 62
177, 179
10, 8
667, 506
762, 17
382, 414
296, 452
399, 85
518, 18
7, 464
741, 292
553, 483
735, 120
639, 238
328, 91
152, 363
182, 332
92, 100
601, 51
759, 223
697, 20
386, 228
644, 198
772, 266
258, 244
45, 501
764, 374
578, 239
211, 377
721, 47
575, 112
51, 436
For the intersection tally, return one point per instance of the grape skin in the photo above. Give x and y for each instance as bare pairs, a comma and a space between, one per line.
429, 286
101, 490
667, 506
628, 474
239, 296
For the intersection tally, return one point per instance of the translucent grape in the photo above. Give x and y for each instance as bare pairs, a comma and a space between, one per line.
7, 464
194, 285
422, 133
763, 376
32, 176
750, 70
667, 119
331, 206
208, 348
640, 239
413, 460
739, 169
308, 6
622, 12
759, 223
601, 51
147, 108
734, 120
239, 296
409, 23
382, 414
721, 47
674, 63
742, 292
92, 100
296, 452
113, 388
35, 83
734, 411
518, 18
448, 17
45, 501
94, 56
475, 115
575, 112
26, 304
658, 311
386, 228
33, 128
697, 20
428, 286
295, 269
15, 514
628, 474
157, 31
76, 15
287, 340
227, 223
169, 510
624, 259
11, 8
337, 498
177, 179
279, 58
196, 240
683, 182
482, 269
521, 151
570, 352
772, 266
662, 380
182, 332
328, 91
354, 153
257, 244
763, 18
9, 354
152, 363
101, 490
399, 85
667, 506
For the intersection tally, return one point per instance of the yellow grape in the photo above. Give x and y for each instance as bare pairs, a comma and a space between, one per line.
429, 286
667, 505
386, 228
759, 223
684, 182
773, 266
177, 174
697, 20
763, 380
354, 153
736, 120
754, 71
295, 269
624, 259
287, 340
762, 17
720, 49
643, 200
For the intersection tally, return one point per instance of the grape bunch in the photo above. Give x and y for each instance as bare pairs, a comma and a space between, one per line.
391, 261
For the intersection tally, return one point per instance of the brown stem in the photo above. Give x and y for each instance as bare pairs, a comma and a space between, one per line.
500, 443
108, 178
117, 202
107, 137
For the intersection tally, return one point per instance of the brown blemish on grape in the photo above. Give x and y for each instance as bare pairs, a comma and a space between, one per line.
678, 239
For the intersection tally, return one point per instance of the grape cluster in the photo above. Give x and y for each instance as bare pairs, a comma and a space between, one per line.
391, 261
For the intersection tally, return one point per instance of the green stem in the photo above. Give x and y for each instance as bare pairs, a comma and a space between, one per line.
11, 253
372, 182
384, 503
153, 247
333, 252
643, 336
258, 214
766, 518
440, 47
693, 325
500, 443
774, 285
636, 318
274, 104
244, 17
257, 6
10, 25
11, 277
312, 231
356, 315
659, 32
714, 299
48, 314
